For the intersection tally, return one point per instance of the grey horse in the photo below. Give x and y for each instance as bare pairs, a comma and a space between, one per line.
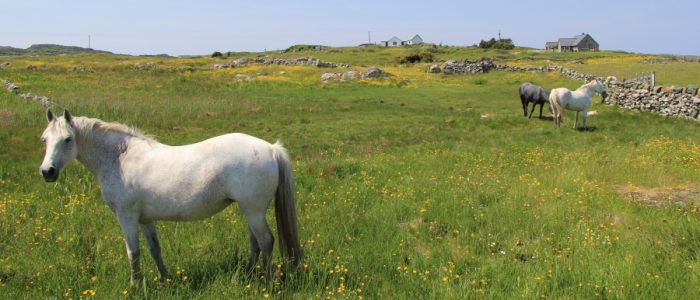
535, 94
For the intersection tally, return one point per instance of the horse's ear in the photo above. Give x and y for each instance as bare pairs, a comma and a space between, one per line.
49, 115
67, 116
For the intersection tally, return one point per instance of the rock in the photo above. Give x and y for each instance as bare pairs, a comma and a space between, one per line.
677, 90
434, 69
329, 76
239, 62
145, 66
82, 69
5, 65
243, 77
348, 75
220, 66
11, 87
692, 90
372, 72
657, 89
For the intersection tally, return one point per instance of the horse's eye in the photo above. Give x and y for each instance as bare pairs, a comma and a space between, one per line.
68, 140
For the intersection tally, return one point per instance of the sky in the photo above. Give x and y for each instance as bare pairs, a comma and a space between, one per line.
179, 27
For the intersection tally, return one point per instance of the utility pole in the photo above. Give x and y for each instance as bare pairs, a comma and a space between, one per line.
369, 37
499, 34
89, 42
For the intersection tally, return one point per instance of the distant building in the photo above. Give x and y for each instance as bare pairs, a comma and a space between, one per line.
415, 40
395, 41
392, 42
579, 43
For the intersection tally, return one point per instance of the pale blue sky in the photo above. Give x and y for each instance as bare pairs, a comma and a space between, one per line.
200, 27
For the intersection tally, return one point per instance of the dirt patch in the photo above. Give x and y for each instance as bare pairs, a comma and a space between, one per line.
662, 197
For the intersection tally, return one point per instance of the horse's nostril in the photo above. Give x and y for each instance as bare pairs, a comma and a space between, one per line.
49, 172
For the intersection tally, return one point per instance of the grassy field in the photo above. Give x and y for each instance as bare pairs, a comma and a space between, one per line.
416, 185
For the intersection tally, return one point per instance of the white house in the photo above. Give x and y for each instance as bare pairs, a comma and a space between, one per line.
392, 42
415, 40
395, 41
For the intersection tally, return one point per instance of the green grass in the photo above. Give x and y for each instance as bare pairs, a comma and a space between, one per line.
403, 189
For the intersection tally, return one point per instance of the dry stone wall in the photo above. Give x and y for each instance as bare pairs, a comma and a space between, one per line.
301, 61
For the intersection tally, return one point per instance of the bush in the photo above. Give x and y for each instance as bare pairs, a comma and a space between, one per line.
298, 48
217, 54
505, 44
413, 58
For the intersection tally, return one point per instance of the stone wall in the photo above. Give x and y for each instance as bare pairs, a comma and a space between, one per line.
467, 67
43, 100
301, 61
667, 101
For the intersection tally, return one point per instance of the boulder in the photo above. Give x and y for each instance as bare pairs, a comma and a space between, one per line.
329, 76
5, 65
434, 69
239, 62
372, 72
348, 75
692, 89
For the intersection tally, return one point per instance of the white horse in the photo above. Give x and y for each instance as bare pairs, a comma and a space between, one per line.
143, 181
578, 100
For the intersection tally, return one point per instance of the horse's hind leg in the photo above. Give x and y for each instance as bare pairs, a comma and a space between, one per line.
541, 106
534, 105
254, 252
149, 233
262, 235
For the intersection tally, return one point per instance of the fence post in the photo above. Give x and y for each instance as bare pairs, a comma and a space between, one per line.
653, 79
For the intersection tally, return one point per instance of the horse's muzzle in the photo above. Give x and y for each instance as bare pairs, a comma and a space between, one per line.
50, 174
604, 94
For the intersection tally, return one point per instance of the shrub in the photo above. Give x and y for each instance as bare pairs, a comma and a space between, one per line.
416, 57
298, 48
217, 54
505, 44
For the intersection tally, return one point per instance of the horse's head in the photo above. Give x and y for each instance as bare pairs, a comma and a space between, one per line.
59, 138
598, 88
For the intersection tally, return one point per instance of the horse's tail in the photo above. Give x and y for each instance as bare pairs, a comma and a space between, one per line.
555, 106
285, 211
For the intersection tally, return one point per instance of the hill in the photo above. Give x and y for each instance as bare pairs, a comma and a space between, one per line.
47, 49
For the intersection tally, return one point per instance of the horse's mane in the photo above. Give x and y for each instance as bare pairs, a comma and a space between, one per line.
588, 85
85, 124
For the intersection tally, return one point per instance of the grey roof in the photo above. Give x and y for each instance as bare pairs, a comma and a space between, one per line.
416, 38
394, 39
551, 44
564, 42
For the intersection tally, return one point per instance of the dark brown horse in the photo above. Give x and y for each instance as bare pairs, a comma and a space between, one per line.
535, 94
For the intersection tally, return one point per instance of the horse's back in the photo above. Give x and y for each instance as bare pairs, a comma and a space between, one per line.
195, 181
532, 93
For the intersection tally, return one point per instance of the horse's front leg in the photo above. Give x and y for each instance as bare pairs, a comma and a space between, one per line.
149, 233
130, 228
541, 107
576, 120
534, 105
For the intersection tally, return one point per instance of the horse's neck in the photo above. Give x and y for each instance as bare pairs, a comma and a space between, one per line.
585, 90
100, 152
